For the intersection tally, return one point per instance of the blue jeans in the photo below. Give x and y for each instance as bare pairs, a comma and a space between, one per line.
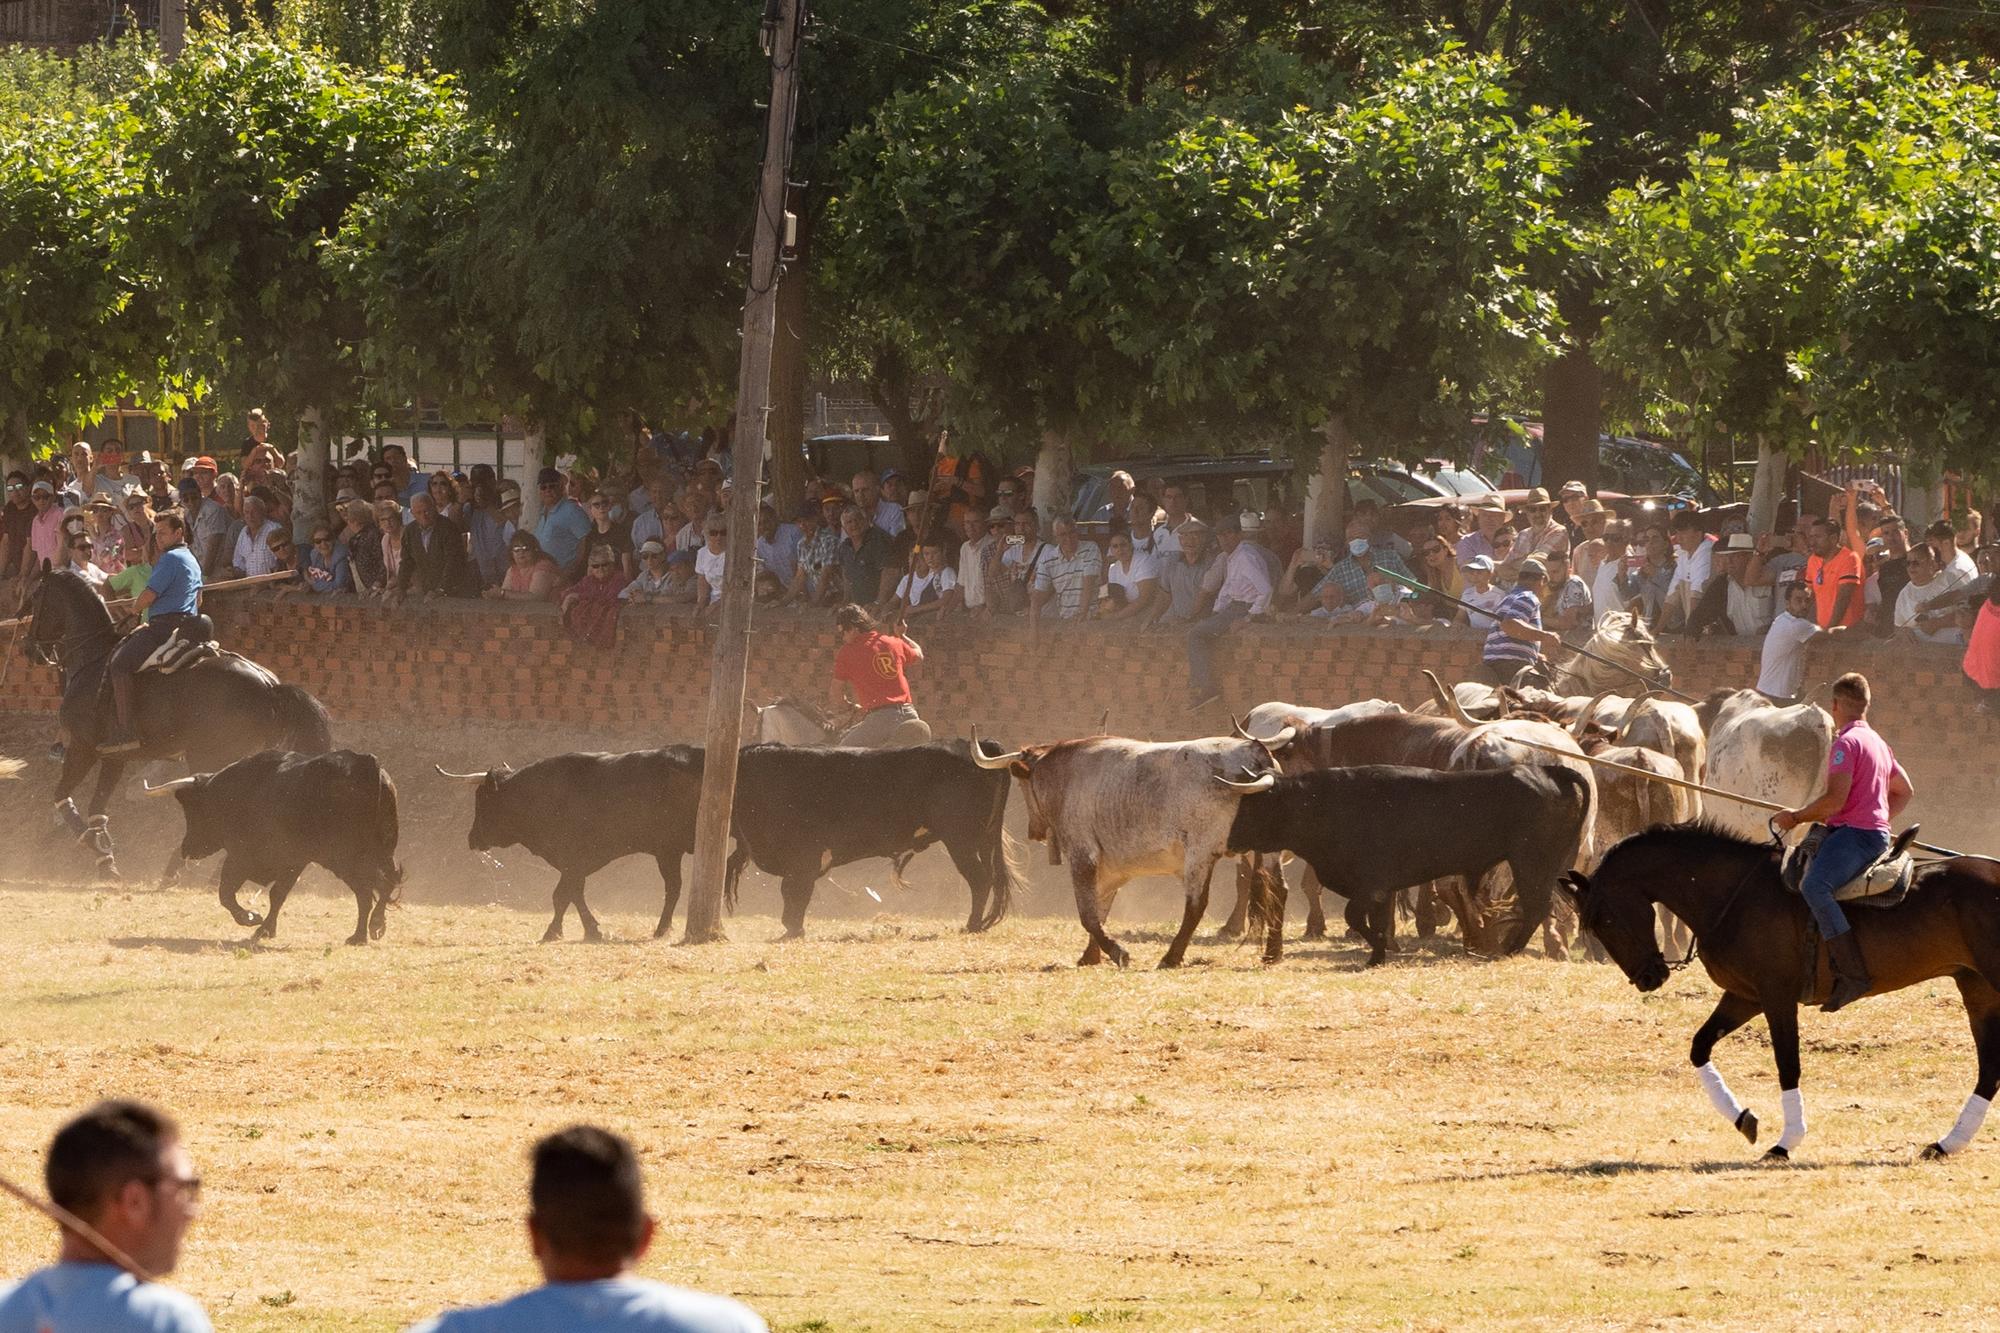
1843, 854
1201, 646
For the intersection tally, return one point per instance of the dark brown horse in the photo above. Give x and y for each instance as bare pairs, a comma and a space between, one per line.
1750, 935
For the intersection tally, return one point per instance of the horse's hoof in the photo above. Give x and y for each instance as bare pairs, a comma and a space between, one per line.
1167, 964
660, 931
551, 937
377, 929
357, 938
1934, 1153
1777, 1154
1746, 1124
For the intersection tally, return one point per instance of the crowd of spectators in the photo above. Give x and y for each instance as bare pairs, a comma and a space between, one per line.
970, 544
128, 1193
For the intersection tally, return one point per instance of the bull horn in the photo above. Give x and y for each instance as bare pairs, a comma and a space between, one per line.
1449, 698
1285, 736
444, 772
1263, 782
1626, 725
1236, 729
998, 761
166, 787
1588, 715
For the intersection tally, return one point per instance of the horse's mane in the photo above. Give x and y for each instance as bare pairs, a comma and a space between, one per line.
1700, 835
79, 591
811, 710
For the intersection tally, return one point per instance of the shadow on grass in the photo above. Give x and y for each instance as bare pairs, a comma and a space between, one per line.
174, 944
1605, 1169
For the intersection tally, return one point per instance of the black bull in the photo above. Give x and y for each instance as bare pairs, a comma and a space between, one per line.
275, 813
1372, 830
799, 811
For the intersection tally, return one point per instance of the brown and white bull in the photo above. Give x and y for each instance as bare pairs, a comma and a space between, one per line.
1418, 741
1117, 809
1759, 749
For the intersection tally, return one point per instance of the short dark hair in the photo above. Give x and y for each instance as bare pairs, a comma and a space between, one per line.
1942, 530
588, 1200
1683, 520
95, 1155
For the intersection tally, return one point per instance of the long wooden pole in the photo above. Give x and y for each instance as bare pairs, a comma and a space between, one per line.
1751, 801
70, 1222
753, 406
227, 585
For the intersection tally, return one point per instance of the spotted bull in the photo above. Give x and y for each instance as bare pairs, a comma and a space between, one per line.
1117, 809
277, 812
1757, 748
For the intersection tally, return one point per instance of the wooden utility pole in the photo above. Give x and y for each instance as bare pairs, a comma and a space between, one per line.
783, 20
173, 28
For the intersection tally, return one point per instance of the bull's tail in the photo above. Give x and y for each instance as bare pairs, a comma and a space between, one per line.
10, 768
1006, 860
390, 831
303, 724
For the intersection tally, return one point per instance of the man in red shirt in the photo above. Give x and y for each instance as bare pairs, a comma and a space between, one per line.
873, 664
1834, 572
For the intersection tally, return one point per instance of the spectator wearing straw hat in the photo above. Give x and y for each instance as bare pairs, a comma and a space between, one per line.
1541, 536
1489, 513
120, 1168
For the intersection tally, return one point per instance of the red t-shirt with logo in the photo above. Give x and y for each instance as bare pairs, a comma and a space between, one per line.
873, 664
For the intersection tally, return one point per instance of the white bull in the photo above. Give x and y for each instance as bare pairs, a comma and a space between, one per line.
1758, 749
1118, 809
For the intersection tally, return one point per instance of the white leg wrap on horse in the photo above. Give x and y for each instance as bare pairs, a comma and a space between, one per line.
1968, 1123
1795, 1119
1719, 1094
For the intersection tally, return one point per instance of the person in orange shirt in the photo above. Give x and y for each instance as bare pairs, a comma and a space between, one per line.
1834, 573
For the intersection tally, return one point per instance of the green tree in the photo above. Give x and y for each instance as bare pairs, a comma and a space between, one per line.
1831, 277
251, 152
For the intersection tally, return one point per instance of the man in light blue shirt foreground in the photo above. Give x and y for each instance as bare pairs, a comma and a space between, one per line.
120, 1168
588, 1225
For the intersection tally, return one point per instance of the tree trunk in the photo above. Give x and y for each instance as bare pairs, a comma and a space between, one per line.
1572, 403
889, 384
1326, 493
309, 486
1768, 487
1055, 478
788, 380
173, 28
534, 450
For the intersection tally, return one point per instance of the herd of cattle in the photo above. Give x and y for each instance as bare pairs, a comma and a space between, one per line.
1484, 795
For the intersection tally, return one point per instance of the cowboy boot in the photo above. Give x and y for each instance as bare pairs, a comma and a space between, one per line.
122, 737
1850, 971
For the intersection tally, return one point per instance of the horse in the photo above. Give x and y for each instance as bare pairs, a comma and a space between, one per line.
790, 720
1751, 933
209, 715
1624, 638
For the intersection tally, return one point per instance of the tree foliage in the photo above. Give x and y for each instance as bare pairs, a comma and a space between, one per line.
1831, 275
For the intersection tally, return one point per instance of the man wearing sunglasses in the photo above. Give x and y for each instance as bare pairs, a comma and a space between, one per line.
121, 1168
17, 516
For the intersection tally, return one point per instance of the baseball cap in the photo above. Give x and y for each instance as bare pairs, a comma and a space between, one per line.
548, 476
891, 474
1358, 547
681, 558
1484, 562
651, 546
1570, 488
1532, 568
42, 488
205, 461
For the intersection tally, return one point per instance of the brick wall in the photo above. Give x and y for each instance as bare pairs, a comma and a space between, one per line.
436, 664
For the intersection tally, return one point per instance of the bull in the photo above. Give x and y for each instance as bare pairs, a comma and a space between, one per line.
277, 812
1372, 830
801, 810
1117, 809
581, 812
1759, 749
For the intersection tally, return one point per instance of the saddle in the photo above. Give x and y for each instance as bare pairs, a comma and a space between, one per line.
1884, 884
179, 653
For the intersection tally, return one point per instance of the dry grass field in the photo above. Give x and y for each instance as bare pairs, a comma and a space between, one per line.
894, 1126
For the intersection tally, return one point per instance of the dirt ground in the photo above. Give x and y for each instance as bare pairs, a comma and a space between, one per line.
895, 1126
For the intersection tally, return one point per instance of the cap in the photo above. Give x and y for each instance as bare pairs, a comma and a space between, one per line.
207, 462
1358, 547
891, 474
1573, 488
1531, 568
1229, 523
680, 558
1001, 514
651, 546
1484, 562
548, 476
42, 488
1738, 543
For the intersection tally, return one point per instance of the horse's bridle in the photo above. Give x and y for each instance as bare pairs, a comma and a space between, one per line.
1728, 905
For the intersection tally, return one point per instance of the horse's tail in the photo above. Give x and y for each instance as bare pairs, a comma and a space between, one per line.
302, 720
10, 768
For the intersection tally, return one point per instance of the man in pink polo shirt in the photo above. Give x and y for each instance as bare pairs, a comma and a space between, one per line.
1865, 789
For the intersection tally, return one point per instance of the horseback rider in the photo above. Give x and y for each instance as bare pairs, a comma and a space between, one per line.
1865, 790
872, 663
173, 596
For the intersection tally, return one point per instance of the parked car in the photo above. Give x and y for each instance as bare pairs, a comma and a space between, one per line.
1625, 464
1258, 483
838, 457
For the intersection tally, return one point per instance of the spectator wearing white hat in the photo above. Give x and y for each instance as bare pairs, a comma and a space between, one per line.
1488, 512
653, 584
45, 531
1480, 591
